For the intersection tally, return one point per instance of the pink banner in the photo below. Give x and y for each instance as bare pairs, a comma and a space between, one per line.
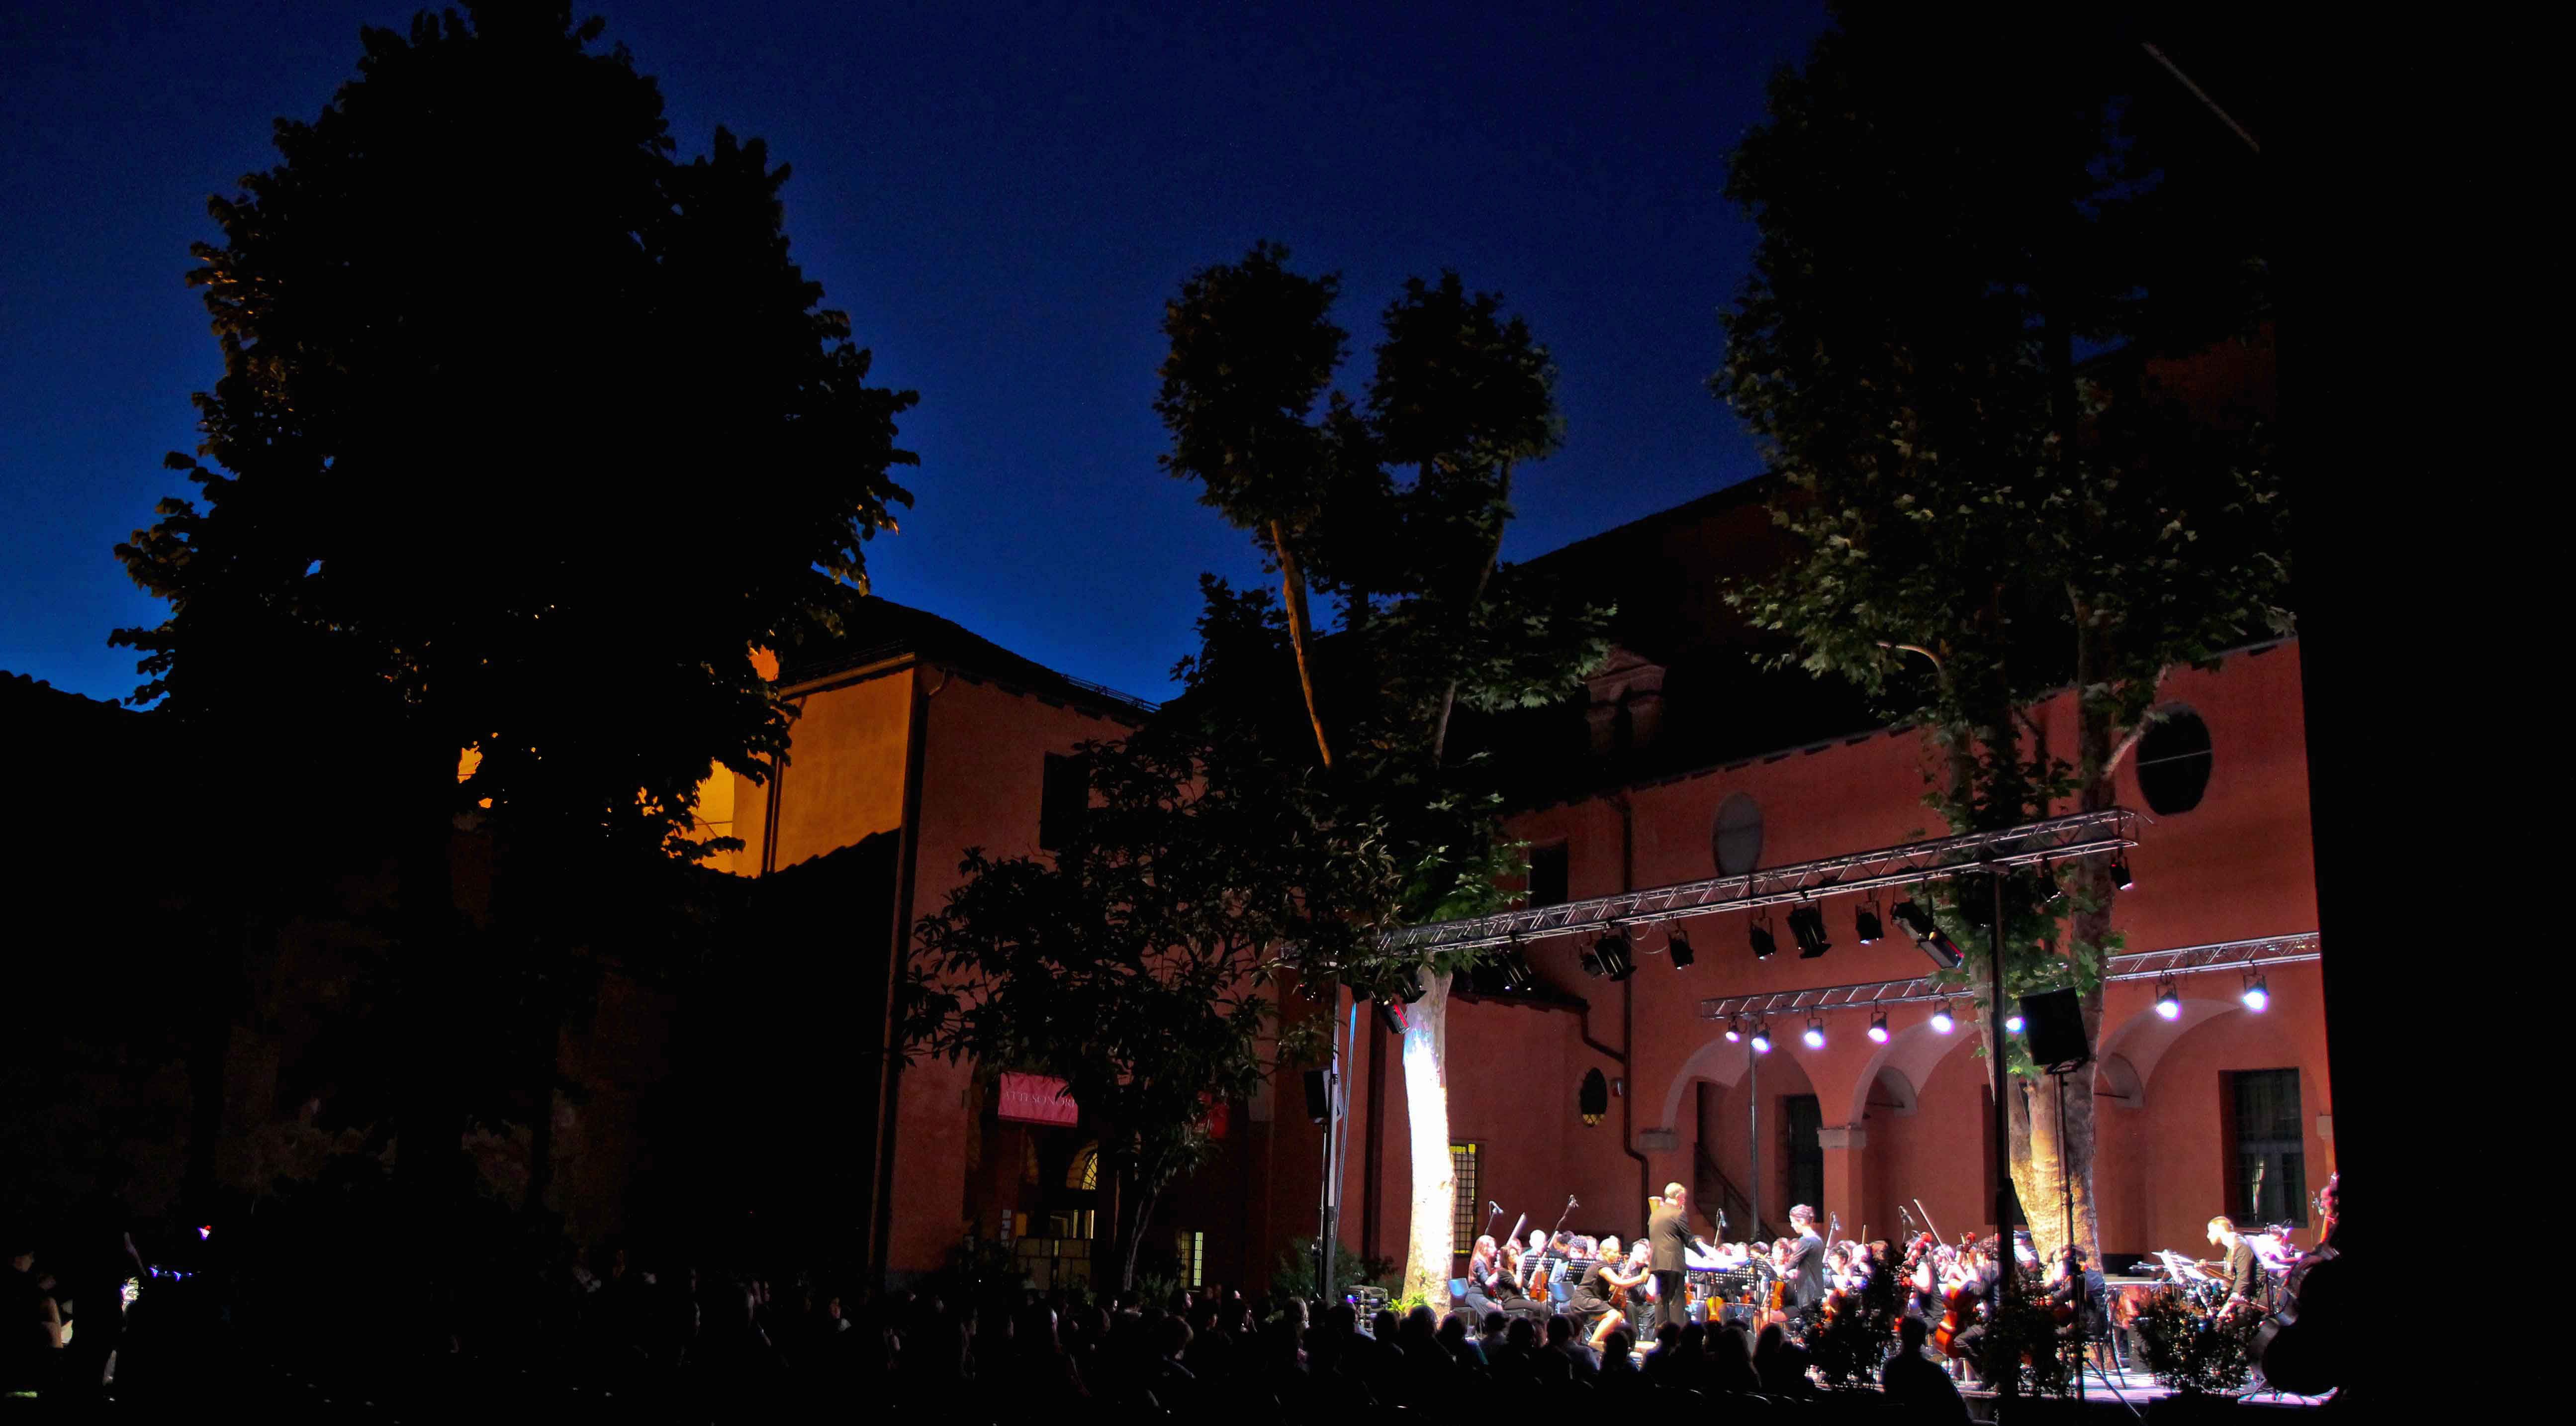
1036, 1099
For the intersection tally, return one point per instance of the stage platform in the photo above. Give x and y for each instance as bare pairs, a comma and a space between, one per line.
2136, 1391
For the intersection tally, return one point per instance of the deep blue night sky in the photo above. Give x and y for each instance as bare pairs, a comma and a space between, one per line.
1001, 196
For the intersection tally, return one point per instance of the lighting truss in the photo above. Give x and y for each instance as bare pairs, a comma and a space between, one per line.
1923, 990
2082, 834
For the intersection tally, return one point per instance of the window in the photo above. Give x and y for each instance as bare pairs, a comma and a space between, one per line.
1064, 797
2174, 761
2270, 1148
1084, 1172
1739, 835
1802, 1116
1547, 883
1198, 1259
1462, 1166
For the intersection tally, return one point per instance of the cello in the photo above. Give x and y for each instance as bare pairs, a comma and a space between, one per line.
1958, 1312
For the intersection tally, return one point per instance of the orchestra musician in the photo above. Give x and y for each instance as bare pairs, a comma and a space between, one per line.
1482, 1264
2079, 1291
1616, 1278
2244, 1275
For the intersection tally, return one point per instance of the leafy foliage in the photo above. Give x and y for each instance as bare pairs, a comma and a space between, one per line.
2193, 1354
1948, 207
512, 396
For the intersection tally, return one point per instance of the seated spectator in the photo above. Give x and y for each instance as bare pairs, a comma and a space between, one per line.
1730, 1361
1780, 1364
1462, 1346
1584, 1363
1914, 1380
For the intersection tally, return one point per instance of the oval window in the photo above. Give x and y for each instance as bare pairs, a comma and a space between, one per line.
2173, 762
1739, 835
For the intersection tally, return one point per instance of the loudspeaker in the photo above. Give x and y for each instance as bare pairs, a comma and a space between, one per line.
2054, 1025
1319, 1096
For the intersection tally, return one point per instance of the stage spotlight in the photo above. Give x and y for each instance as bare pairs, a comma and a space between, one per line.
1807, 924
2258, 994
1762, 1038
2013, 1023
1764, 947
1677, 942
1928, 935
1878, 1028
2120, 877
1616, 958
1734, 1031
1517, 971
1867, 926
2168, 1001
1591, 960
1815, 1036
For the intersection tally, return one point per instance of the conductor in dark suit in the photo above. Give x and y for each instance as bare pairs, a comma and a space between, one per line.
1669, 1236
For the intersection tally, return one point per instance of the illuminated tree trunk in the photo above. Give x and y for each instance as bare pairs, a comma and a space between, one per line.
1426, 1105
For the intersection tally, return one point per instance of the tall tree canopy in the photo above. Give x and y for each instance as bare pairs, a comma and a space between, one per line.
1395, 501
528, 434
1951, 210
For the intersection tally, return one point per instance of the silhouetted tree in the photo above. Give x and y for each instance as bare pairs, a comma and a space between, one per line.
528, 434
1397, 504
1949, 205
1131, 962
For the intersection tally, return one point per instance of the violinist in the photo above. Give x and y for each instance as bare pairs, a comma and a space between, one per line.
1482, 1264
1611, 1288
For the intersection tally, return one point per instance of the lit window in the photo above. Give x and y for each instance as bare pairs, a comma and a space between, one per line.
1198, 1259
1462, 1164
1085, 1173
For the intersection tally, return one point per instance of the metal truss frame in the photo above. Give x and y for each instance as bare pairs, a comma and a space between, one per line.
2081, 834
1923, 990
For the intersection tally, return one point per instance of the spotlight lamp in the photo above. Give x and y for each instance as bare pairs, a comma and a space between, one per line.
2120, 878
1764, 945
1928, 935
1762, 1037
1517, 972
2168, 999
2258, 992
1942, 1024
1734, 1031
1866, 925
1807, 925
2013, 1023
1815, 1036
1615, 955
1878, 1028
1677, 941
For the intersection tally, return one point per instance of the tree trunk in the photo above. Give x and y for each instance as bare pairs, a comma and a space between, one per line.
1136, 1209
1431, 1249
1475, 597
1292, 594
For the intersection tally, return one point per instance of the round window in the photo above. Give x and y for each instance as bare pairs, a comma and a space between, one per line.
2173, 762
1739, 835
